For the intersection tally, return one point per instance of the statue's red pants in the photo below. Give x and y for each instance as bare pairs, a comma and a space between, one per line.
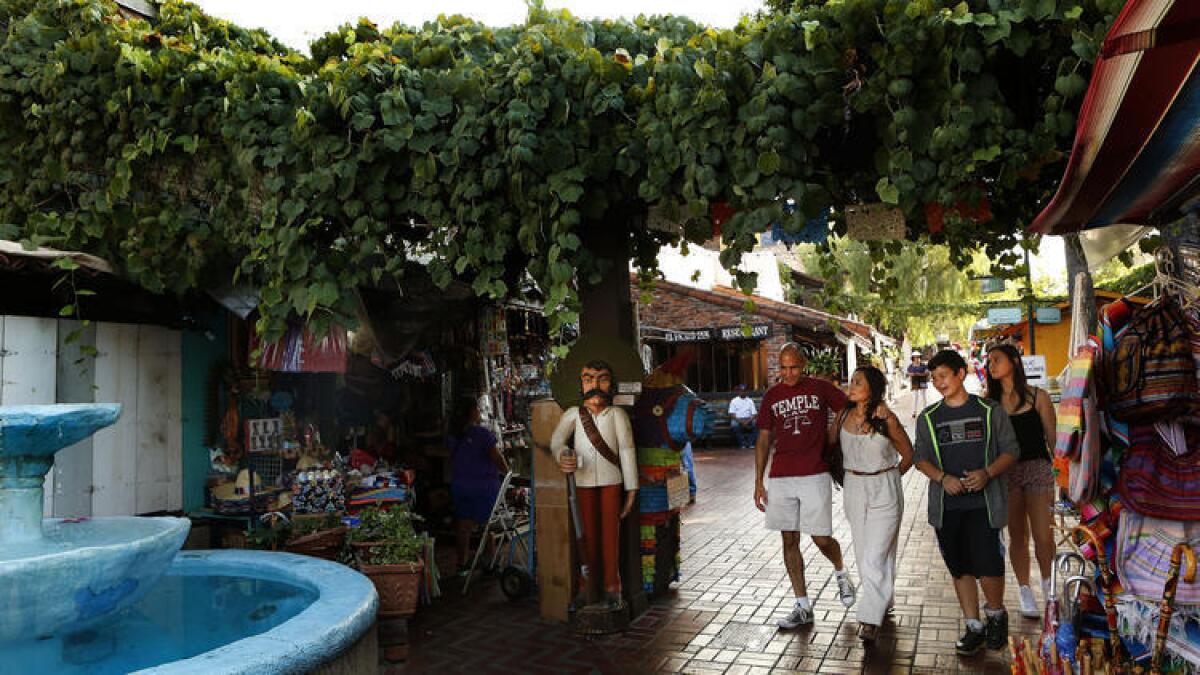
600, 510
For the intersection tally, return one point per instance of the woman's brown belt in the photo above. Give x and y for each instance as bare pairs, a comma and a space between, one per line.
870, 473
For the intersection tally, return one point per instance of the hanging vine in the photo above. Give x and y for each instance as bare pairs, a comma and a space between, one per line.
194, 153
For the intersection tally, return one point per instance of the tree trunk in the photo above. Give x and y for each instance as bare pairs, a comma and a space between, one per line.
1076, 265
607, 307
607, 310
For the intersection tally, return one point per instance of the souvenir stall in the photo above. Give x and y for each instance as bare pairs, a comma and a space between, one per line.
296, 438
1126, 597
1129, 433
514, 339
269, 423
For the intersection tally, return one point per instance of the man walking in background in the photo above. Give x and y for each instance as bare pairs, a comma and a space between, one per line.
798, 495
741, 418
918, 374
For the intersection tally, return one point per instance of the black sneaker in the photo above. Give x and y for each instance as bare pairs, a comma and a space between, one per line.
970, 642
997, 631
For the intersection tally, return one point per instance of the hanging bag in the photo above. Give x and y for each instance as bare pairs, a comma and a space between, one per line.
833, 450
1069, 423
1151, 376
1155, 481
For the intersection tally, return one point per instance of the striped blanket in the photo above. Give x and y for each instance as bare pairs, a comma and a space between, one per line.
1142, 557
1156, 482
1077, 432
1068, 432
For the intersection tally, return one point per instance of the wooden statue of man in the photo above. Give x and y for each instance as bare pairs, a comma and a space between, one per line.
604, 462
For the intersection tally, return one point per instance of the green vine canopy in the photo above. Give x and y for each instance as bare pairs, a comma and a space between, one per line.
193, 153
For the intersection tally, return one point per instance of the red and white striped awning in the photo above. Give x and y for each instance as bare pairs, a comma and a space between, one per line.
1136, 156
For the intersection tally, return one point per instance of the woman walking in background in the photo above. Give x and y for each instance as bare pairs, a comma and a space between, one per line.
1031, 481
876, 452
476, 467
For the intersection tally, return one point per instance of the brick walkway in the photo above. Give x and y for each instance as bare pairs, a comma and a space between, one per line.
733, 575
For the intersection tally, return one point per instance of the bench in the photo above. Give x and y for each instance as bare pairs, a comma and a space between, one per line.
721, 434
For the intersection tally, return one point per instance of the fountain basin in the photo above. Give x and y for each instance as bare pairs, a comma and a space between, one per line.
79, 571
224, 612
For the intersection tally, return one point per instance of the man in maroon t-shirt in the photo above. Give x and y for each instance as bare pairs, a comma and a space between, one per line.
796, 414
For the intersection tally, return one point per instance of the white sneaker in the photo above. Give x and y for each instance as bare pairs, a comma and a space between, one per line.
846, 591
799, 616
1029, 608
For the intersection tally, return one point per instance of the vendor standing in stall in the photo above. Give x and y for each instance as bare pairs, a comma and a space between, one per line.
476, 467
381, 438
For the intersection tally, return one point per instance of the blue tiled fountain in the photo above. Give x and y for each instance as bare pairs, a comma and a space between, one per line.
58, 573
114, 595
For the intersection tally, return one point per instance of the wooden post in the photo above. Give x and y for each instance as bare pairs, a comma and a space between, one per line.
551, 518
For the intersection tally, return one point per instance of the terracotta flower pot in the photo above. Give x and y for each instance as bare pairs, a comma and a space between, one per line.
399, 587
326, 544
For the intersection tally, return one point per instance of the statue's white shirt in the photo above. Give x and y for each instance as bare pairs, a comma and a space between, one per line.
593, 470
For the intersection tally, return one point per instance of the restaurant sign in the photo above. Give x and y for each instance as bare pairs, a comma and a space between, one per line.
755, 332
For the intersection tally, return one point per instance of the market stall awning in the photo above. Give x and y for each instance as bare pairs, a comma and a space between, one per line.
1137, 144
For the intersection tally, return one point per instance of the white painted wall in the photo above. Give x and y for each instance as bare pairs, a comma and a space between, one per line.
27, 376
135, 465
705, 265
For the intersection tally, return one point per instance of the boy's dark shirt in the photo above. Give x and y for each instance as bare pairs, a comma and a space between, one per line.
961, 433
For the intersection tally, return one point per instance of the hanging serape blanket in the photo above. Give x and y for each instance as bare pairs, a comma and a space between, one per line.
1154, 481
1141, 559
1077, 433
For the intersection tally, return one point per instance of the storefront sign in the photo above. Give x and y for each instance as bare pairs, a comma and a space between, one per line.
1035, 370
1048, 315
1003, 315
722, 334
988, 285
757, 332
693, 335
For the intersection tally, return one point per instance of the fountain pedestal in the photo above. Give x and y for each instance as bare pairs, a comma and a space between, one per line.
20, 515
57, 574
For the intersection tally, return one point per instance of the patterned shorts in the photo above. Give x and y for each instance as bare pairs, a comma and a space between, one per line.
1032, 475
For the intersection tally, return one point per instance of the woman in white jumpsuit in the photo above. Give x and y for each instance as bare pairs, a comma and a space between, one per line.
876, 452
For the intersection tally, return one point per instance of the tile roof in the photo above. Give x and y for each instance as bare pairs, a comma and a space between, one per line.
797, 315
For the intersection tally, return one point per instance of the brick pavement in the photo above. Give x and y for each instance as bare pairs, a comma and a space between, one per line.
733, 574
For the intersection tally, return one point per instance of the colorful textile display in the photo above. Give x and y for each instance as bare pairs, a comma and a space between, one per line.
1134, 473
1157, 482
1068, 433
382, 489
1151, 374
362, 498
1143, 555
300, 351
319, 492
1078, 433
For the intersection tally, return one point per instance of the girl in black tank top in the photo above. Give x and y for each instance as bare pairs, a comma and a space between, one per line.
1031, 435
1031, 482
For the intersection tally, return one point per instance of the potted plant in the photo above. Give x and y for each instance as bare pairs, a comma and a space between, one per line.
321, 536
823, 363
388, 550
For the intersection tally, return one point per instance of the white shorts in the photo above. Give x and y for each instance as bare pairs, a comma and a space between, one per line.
801, 504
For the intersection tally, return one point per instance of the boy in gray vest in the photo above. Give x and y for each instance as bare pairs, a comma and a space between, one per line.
964, 445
